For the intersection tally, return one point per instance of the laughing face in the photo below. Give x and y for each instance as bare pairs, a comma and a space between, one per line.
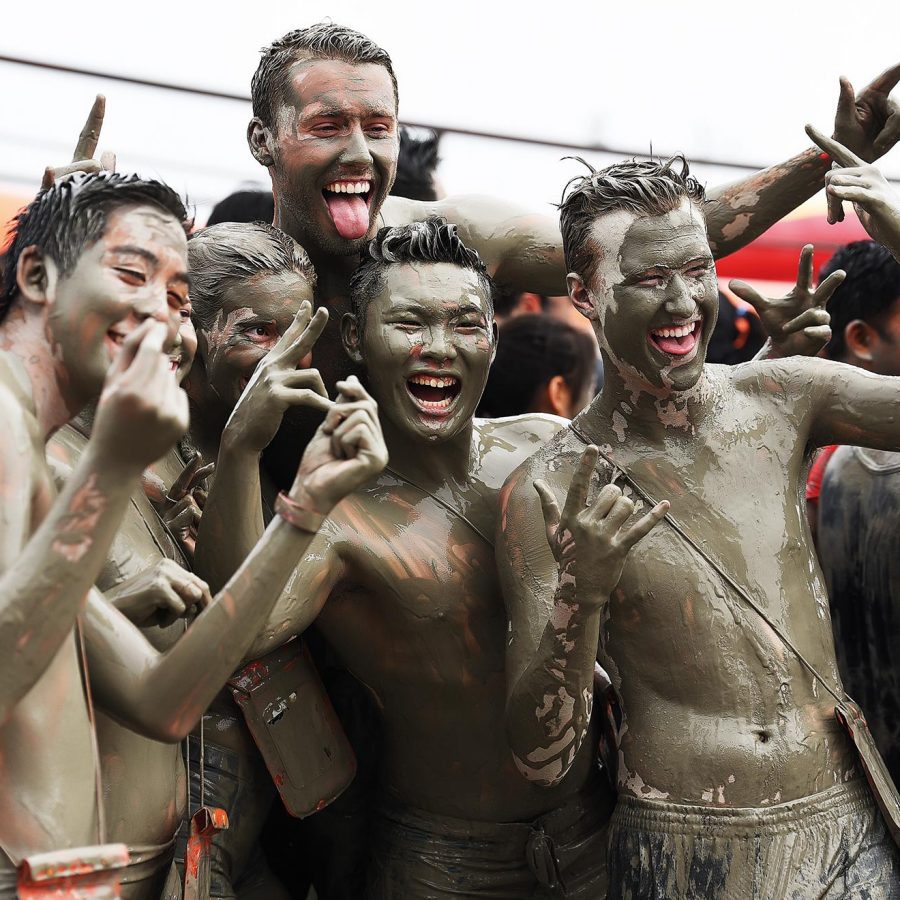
136, 270
428, 342
335, 153
654, 295
253, 315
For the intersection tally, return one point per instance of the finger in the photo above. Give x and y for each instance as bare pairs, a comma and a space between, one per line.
307, 338
182, 516
352, 389
818, 334
90, 134
645, 524
619, 514
549, 506
827, 288
130, 346
200, 496
303, 397
805, 268
294, 330
88, 166
359, 417
149, 357
886, 81
48, 179
838, 152
848, 192
605, 501
306, 378
107, 161
807, 319
576, 498
847, 177
182, 483
835, 210
748, 294
201, 475
889, 135
341, 410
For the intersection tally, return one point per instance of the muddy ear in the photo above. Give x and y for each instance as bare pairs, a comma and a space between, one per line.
259, 139
580, 295
32, 275
350, 337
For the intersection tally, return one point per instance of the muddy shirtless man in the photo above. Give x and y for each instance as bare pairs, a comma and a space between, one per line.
735, 779
97, 274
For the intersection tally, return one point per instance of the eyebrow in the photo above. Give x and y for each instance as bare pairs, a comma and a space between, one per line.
152, 258
314, 111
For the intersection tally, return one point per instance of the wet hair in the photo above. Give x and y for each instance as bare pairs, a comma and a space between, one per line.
432, 241
233, 252
871, 288
648, 188
324, 40
531, 350
416, 164
244, 206
65, 219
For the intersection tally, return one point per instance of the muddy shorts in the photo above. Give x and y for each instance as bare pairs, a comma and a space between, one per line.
833, 845
151, 873
417, 855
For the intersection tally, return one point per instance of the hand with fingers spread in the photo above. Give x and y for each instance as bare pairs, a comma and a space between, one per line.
142, 411
853, 179
869, 123
346, 451
160, 595
278, 384
83, 157
798, 323
182, 506
595, 532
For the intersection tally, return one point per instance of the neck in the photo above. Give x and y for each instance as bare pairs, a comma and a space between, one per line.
23, 337
429, 465
630, 405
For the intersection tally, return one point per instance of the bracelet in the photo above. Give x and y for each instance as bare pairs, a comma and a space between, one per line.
299, 516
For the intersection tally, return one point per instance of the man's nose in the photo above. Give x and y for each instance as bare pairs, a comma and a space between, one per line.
154, 304
438, 345
679, 298
356, 151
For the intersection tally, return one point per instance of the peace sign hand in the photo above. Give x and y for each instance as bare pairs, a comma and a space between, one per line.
876, 203
797, 323
83, 157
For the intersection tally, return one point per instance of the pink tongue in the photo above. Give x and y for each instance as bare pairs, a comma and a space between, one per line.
349, 213
677, 346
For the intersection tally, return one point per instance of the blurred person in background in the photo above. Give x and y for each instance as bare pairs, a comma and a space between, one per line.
542, 366
738, 335
417, 164
244, 206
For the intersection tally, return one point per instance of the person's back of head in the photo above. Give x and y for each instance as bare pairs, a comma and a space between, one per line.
865, 308
244, 206
542, 365
416, 165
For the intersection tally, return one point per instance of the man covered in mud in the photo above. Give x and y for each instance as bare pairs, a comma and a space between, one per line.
735, 777
325, 104
95, 286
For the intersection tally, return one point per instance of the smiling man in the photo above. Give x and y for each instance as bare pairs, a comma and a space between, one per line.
735, 777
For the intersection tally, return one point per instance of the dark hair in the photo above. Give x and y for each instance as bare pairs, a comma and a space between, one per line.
244, 206
651, 188
531, 350
431, 241
870, 289
63, 220
321, 41
232, 252
416, 162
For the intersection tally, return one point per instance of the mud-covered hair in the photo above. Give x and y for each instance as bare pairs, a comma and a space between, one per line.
233, 252
647, 188
869, 291
65, 219
416, 163
433, 241
269, 85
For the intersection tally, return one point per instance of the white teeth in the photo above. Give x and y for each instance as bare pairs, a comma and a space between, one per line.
680, 331
348, 187
425, 380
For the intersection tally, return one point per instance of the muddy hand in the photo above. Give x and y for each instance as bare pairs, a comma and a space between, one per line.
83, 157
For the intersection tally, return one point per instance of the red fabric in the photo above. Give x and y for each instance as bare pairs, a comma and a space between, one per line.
817, 473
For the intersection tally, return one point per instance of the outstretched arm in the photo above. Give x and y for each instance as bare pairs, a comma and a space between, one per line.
869, 124
549, 705
163, 695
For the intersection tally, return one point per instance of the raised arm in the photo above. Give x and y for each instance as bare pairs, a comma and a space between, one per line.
46, 577
550, 695
869, 124
163, 695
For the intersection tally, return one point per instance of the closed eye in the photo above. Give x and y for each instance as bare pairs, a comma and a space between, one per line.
131, 275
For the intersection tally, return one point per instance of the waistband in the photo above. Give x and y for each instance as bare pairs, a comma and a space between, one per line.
146, 860
810, 812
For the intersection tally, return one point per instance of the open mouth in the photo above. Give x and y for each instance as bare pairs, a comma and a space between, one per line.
676, 339
174, 363
434, 394
348, 205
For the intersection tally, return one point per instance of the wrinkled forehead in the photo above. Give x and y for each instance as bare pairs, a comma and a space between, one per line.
323, 86
432, 289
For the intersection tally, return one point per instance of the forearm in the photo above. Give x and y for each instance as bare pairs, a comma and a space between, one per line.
549, 710
738, 213
232, 520
43, 590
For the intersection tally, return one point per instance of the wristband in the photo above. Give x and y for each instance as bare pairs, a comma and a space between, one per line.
299, 516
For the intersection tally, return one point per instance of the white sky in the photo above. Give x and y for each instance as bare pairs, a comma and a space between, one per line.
717, 80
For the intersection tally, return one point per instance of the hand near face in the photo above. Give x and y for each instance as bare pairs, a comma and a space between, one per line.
346, 451
596, 533
182, 506
142, 411
277, 384
160, 595
83, 157
876, 203
797, 323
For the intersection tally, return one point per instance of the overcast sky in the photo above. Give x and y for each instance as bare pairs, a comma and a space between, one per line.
717, 80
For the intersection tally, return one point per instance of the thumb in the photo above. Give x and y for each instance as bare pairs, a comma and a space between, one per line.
549, 506
748, 294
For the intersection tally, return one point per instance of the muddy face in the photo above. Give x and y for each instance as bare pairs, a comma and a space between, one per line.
428, 343
253, 316
655, 295
137, 270
185, 348
335, 154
